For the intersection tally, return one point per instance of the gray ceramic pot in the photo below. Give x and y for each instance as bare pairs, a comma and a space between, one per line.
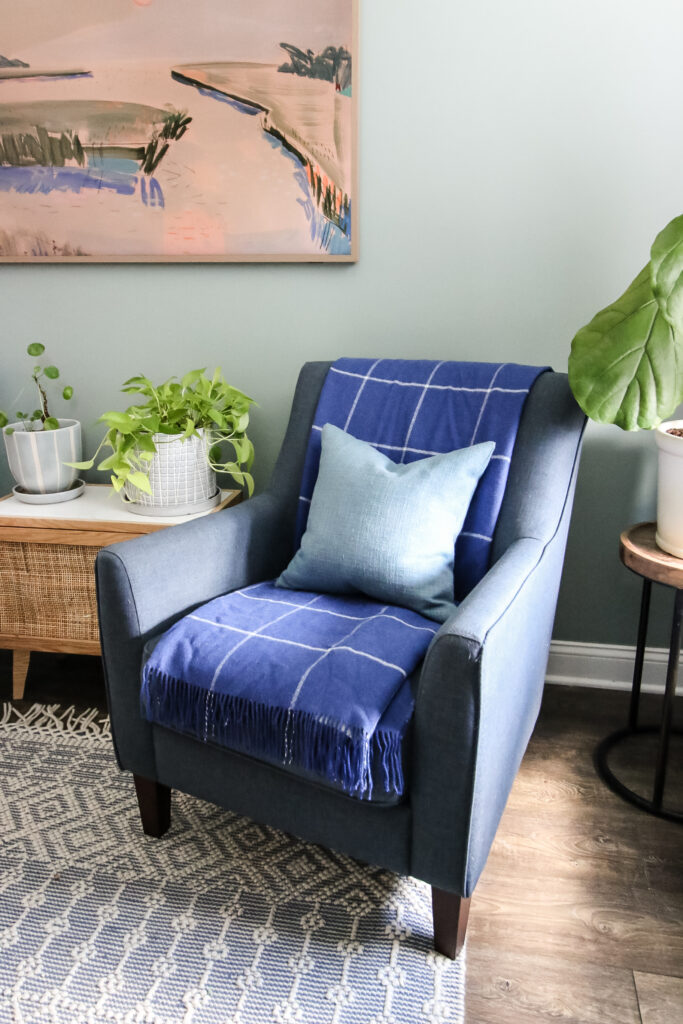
36, 457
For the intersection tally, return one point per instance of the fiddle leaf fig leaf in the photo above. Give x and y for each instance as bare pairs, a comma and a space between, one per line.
667, 272
626, 365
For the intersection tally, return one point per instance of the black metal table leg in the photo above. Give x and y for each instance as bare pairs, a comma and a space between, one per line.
668, 705
640, 653
665, 728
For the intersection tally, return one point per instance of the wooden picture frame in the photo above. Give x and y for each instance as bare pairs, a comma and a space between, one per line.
167, 131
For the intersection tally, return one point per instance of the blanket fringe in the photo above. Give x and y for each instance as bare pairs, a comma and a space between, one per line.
317, 744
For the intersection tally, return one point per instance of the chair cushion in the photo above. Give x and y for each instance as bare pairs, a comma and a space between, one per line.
383, 528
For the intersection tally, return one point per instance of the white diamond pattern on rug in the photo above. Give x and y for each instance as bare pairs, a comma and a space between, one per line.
222, 921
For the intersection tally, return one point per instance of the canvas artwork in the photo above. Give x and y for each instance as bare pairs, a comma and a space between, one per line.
160, 130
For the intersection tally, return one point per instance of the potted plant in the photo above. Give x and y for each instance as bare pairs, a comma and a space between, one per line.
166, 450
626, 367
41, 449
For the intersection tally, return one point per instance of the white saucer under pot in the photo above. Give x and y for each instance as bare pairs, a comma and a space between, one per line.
52, 498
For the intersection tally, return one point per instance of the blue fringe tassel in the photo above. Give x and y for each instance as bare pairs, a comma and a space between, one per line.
320, 745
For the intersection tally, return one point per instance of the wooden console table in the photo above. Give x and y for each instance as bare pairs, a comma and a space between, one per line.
47, 580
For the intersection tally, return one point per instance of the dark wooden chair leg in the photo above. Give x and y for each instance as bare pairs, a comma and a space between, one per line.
154, 801
450, 913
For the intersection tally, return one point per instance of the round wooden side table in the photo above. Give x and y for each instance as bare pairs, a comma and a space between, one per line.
639, 552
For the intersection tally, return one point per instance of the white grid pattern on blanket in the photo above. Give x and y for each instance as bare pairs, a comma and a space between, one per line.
432, 387
492, 396
364, 380
248, 635
421, 399
339, 645
406, 449
425, 387
486, 398
326, 611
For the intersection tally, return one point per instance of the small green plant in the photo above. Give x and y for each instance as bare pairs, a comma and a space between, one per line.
176, 407
42, 415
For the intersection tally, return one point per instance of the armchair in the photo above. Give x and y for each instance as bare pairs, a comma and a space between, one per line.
478, 691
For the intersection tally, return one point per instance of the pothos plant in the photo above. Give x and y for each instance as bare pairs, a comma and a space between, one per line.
178, 409
626, 365
39, 375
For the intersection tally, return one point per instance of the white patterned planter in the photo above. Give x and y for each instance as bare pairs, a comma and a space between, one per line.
180, 476
36, 457
669, 534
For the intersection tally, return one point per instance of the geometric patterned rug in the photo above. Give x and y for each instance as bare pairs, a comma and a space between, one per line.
222, 921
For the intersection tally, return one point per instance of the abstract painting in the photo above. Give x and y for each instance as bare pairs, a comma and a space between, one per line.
178, 130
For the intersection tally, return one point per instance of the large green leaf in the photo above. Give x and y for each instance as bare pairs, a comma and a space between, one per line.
626, 365
666, 261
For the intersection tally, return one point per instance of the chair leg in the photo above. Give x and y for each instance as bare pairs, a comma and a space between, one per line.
154, 801
450, 913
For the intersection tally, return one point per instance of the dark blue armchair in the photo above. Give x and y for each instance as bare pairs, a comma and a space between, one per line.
479, 688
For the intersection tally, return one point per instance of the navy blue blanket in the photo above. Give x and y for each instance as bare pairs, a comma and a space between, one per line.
306, 679
410, 409
320, 681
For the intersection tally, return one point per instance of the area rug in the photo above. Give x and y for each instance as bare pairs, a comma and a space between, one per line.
222, 921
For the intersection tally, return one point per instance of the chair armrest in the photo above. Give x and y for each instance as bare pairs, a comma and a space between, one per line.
145, 585
478, 700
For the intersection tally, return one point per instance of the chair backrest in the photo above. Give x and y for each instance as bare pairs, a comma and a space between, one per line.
545, 452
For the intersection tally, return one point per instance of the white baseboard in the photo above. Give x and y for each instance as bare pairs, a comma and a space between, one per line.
607, 666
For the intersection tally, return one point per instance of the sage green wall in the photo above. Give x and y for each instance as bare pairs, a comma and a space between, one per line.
516, 160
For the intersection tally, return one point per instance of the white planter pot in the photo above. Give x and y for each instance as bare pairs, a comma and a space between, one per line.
36, 457
180, 476
669, 534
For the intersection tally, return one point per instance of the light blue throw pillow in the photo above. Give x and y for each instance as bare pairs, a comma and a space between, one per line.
383, 528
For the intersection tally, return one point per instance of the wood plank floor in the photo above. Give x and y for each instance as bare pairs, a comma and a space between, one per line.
578, 916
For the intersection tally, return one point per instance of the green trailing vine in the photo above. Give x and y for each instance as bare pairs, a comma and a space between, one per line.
178, 409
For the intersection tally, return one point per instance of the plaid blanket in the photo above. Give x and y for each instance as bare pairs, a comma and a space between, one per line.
288, 675
321, 681
410, 409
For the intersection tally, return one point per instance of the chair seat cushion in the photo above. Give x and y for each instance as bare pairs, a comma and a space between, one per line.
300, 679
383, 528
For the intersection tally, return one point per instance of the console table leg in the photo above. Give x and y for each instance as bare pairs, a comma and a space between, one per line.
20, 661
668, 705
